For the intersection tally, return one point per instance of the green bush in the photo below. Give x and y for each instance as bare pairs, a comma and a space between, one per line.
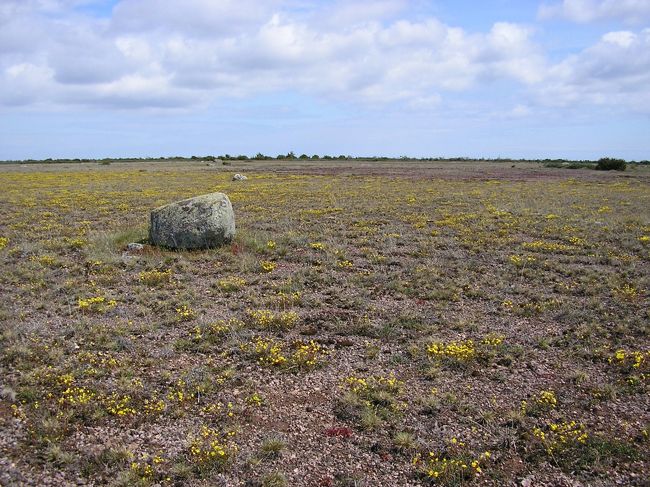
610, 164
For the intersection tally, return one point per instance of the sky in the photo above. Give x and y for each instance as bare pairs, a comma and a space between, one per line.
484, 78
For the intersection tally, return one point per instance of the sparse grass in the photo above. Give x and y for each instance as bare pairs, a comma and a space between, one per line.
107, 246
272, 447
404, 441
275, 479
356, 314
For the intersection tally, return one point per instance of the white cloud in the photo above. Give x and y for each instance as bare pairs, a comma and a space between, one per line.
584, 11
623, 39
615, 72
173, 54
197, 50
192, 18
25, 83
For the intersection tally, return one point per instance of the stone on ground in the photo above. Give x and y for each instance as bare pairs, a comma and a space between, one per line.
202, 222
239, 177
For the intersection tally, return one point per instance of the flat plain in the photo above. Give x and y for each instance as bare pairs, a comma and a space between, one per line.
372, 324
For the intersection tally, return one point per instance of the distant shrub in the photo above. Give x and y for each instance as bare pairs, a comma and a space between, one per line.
570, 165
610, 164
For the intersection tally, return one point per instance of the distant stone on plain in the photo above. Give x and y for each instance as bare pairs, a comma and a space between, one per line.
239, 177
201, 222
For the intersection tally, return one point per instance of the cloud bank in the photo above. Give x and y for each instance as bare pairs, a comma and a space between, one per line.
168, 54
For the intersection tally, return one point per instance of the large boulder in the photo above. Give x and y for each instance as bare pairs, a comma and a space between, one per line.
196, 223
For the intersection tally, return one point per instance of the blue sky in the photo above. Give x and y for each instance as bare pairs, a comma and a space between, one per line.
525, 78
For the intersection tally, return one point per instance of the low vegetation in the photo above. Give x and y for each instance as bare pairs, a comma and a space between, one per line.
423, 325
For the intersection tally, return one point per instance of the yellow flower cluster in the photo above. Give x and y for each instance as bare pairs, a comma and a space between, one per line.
146, 469
97, 304
390, 383
255, 400
231, 283
155, 277
461, 351
356, 384
119, 405
65, 379
627, 292
197, 333
102, 359
222, 327
179, 394
284, 300
455, 220
264, 318
521, 261
269, 352
211, 448
577, 240
546, 399
185, 313
373, 385
456, 469
218, 409
561, 436
76, 396
143, 470
153, 406
4, 241
317, 246
308, 355
634, 362
542, 246
75, 243
45, 260
493, 340
267, 266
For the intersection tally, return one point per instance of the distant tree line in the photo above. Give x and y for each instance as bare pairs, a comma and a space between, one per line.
605, 163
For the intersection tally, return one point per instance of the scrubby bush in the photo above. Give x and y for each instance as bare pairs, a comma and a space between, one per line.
610, 164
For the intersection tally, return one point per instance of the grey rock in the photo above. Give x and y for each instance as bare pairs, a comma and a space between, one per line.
239, 177
196, 223
134, 247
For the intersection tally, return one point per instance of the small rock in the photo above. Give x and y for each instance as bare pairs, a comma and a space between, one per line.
134, 247
239, 177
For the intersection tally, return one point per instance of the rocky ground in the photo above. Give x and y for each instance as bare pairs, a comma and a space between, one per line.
371, 324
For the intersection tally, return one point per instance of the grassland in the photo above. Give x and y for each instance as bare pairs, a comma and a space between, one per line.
372, 324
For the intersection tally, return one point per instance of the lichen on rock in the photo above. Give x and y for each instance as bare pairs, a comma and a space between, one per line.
201, 222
